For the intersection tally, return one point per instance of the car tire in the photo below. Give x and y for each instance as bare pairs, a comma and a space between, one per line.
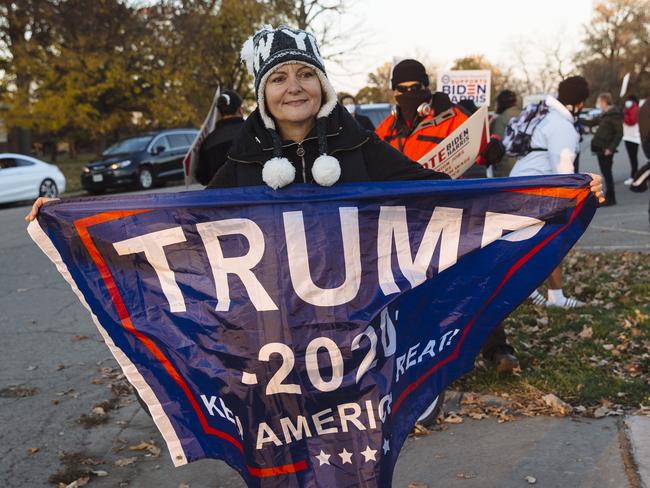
48, 189
145, 178
430, 415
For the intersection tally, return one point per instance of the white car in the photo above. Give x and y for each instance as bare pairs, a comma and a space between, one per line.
26, 178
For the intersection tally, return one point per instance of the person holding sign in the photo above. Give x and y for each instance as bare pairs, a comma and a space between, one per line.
421, 119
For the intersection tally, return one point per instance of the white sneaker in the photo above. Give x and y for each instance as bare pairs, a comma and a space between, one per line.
628, 182
568, 302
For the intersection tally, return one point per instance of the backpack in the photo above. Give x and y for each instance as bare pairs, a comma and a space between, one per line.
519, 130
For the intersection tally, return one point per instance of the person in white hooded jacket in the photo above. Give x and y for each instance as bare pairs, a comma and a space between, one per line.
556, 142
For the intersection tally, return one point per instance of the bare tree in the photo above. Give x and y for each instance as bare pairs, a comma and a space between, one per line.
617, 41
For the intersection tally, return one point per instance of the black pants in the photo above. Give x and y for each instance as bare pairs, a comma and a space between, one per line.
496, 343
633, 153
605, 163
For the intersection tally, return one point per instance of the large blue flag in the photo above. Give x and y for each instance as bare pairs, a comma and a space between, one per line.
299, 334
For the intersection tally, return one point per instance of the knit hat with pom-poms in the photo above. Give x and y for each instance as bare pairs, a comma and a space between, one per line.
263, 53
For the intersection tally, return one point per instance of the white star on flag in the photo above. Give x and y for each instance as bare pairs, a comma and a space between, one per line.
323, 458
386, 447
369, 454
346, 456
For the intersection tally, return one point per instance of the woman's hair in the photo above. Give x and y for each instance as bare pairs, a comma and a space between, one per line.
505, 100
607, 98
344, 96
228, 102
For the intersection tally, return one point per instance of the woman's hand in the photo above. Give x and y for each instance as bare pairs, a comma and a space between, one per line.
596, 187
33, 213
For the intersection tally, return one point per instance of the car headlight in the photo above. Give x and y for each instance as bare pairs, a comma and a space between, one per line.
86, 169
121, 164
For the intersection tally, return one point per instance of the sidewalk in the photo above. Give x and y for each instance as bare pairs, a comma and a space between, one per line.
623, 227
555, 452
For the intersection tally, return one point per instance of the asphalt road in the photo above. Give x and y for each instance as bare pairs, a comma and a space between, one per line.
55, 370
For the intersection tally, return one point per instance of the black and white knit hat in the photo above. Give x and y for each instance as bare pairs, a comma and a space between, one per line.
263, 53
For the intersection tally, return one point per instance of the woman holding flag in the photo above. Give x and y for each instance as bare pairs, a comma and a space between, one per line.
299, 133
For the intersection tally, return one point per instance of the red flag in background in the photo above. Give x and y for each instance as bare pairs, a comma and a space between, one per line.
192, 157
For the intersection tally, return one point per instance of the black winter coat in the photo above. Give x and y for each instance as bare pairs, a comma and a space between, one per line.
213, 153
362, 155
609, 132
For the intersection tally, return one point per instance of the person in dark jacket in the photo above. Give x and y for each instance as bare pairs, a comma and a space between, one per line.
506, 109
214, 149
299, 132
605, 141
350, 104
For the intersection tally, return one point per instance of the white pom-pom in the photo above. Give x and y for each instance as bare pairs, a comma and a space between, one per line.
247, 54
326, 170
278, 172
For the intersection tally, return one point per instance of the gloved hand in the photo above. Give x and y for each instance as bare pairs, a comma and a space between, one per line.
493, 152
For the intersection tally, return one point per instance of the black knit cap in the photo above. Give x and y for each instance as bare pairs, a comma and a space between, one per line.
409, 70
505, 99
573, 90
270, 47
228, 102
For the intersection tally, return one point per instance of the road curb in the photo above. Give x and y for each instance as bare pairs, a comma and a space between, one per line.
638, 433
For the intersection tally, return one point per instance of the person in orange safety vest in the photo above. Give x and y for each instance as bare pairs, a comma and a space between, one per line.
422, 119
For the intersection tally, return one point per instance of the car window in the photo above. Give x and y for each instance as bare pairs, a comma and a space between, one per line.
126, 146
162, 142
6, 163
24, 162
177, 141
189, 137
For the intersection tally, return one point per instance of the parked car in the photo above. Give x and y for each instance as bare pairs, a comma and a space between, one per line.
141, 161
26, 178
376, 112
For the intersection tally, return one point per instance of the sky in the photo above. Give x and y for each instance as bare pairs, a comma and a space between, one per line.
446, 30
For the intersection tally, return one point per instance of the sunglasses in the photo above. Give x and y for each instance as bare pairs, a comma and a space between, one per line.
409, 88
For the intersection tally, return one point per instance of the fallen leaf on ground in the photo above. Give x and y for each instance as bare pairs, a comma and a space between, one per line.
558, 406
76, 483
452, 418
601, 412
150, 447
420, 430
125, 461
417, 484
586, 333
32, 450
465, 476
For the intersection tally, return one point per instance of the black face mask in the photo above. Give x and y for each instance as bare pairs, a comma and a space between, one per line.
409, 102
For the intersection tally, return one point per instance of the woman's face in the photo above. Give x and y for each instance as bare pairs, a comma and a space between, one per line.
293, 93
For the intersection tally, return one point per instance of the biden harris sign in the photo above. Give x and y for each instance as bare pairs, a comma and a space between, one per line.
298, 334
